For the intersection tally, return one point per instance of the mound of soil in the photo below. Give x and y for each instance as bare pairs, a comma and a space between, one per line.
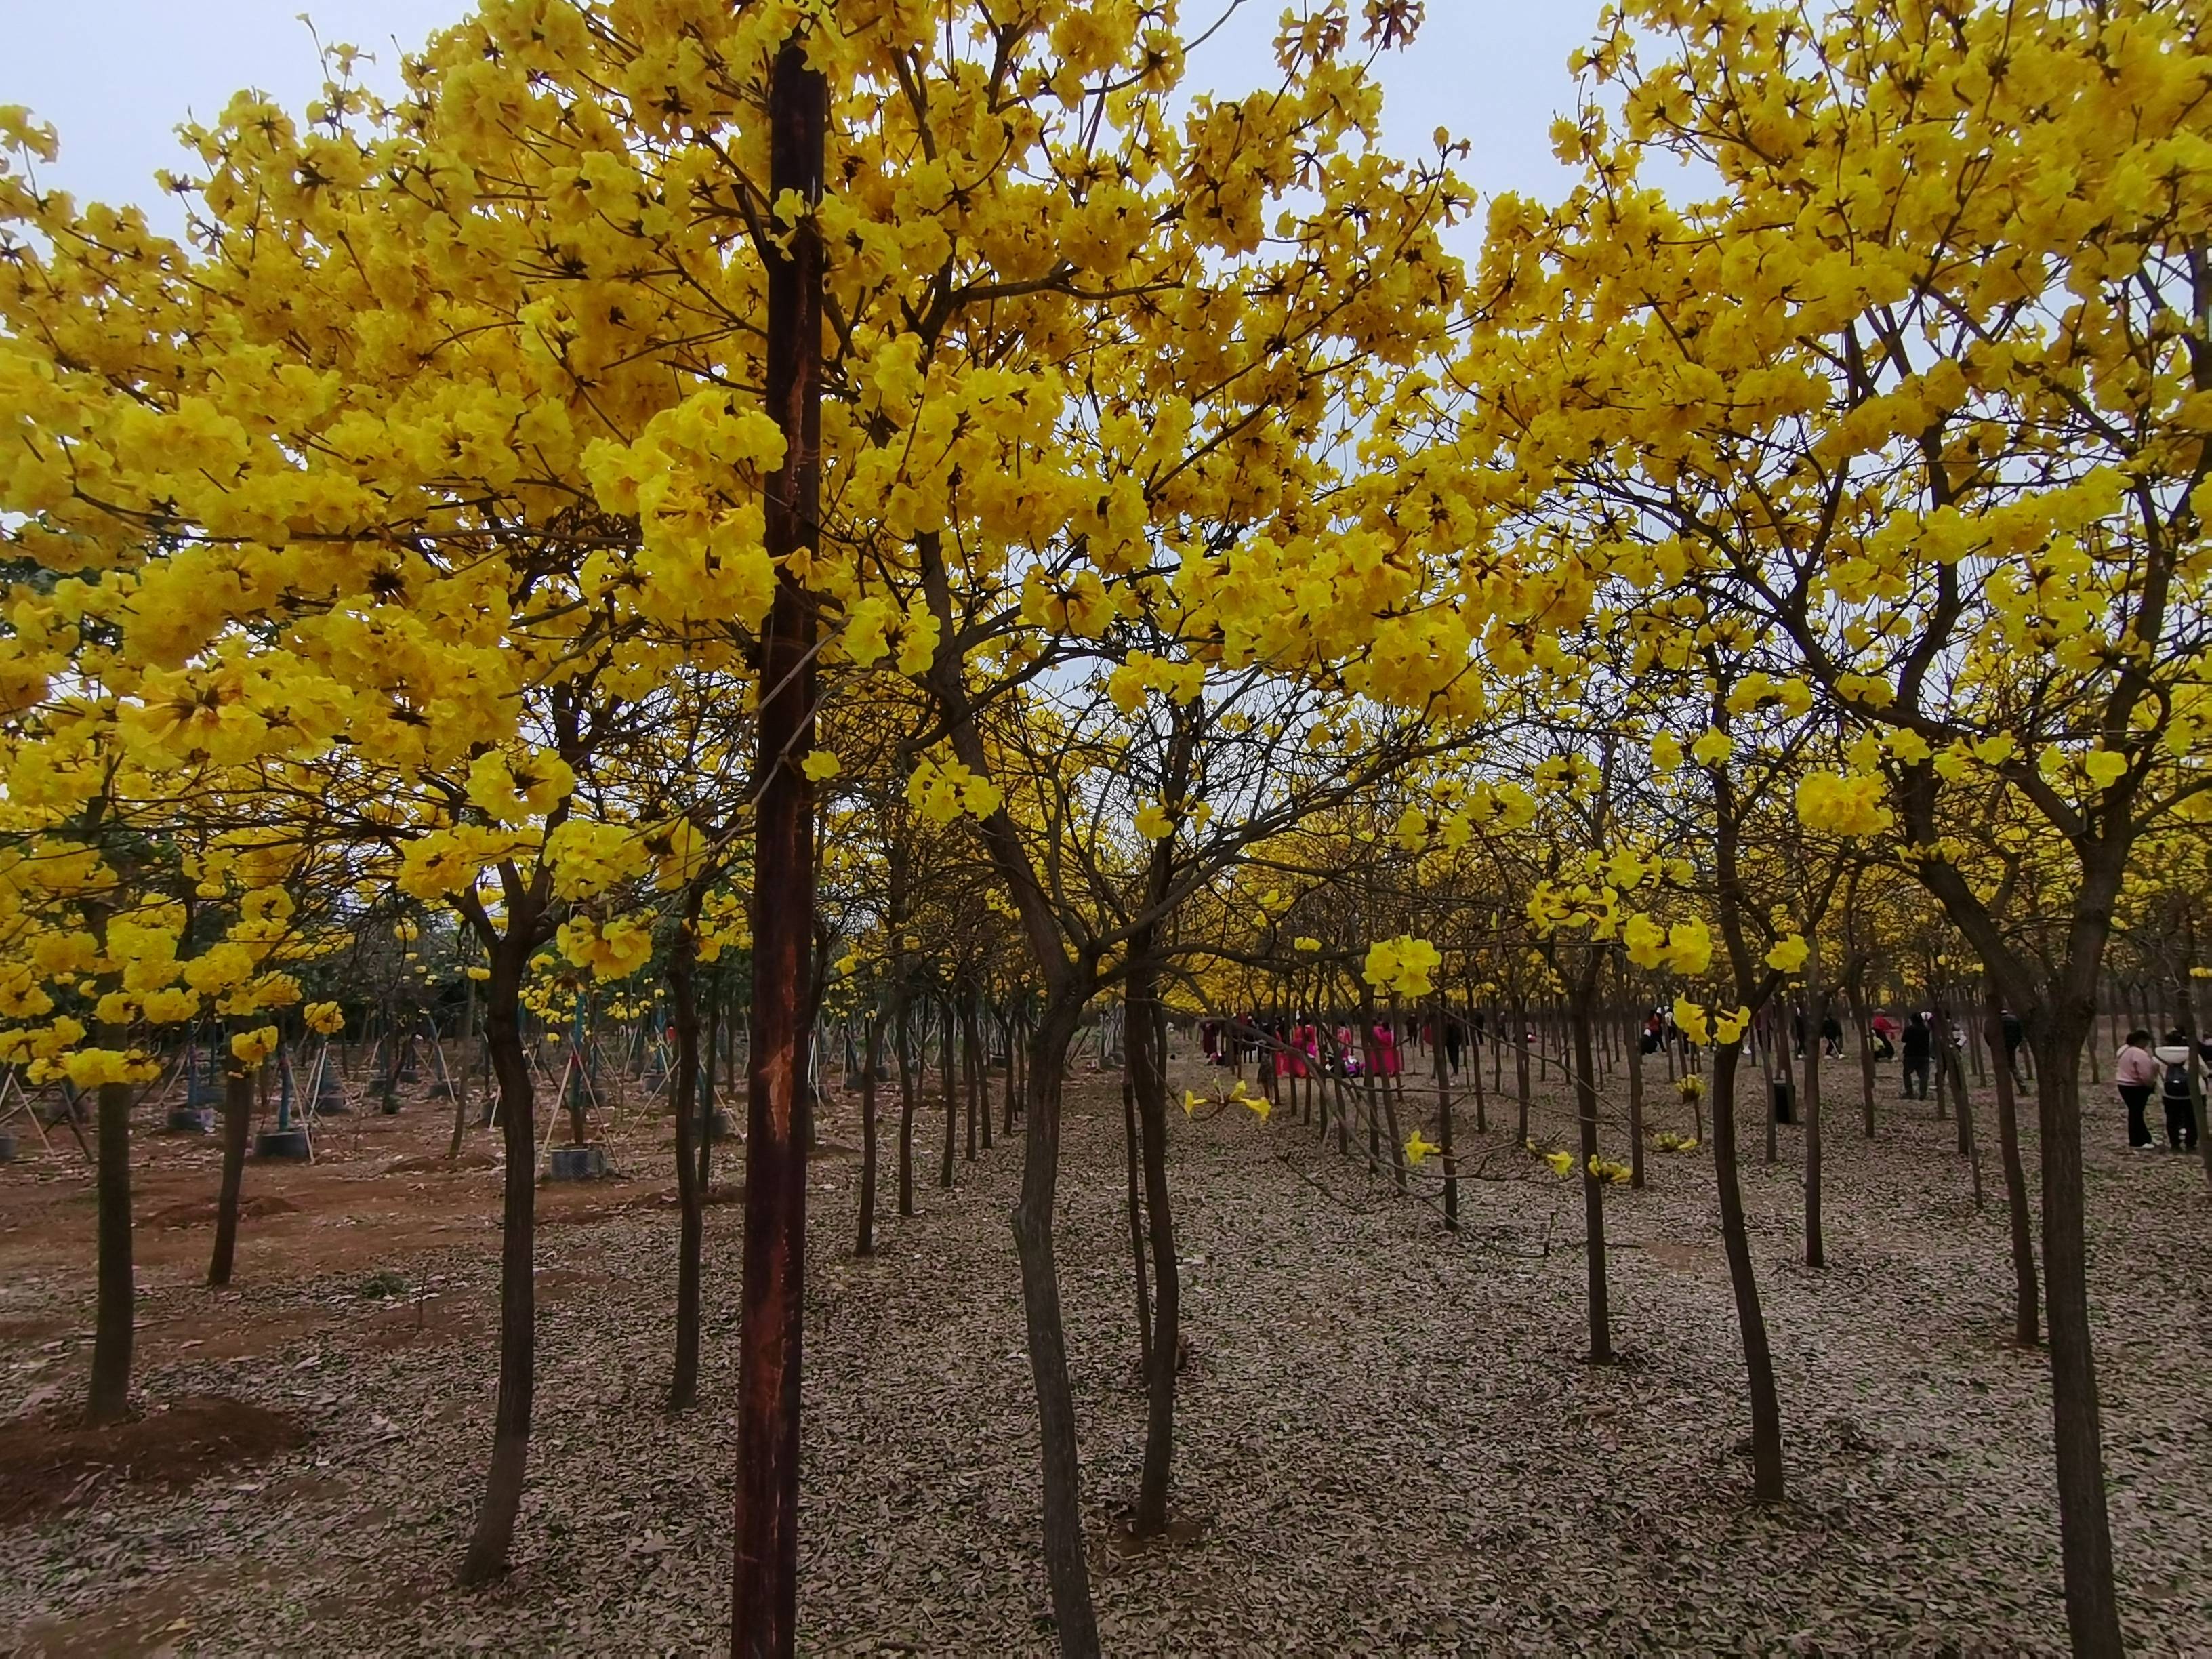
55, 1461
200, 1211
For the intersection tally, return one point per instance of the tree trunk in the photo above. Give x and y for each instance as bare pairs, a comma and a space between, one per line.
690, 1198
1065, 1569
1861, 1021
2026, 1326
518, 1307
903, 1037
1751, 1321
1585, 1084
114, 1321
951, 1079
1520, 1064
1444, 1116
237, 1134
2196, 1075
1634, 1059
1137, 1226
1148, 1072
1474, 1054
764, 1596
866, 1243
1816, 1021
2085, 1531
971, 1067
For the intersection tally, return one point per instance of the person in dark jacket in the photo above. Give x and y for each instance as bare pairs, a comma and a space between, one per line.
1919, 1049
2173, 1089
2014, 1040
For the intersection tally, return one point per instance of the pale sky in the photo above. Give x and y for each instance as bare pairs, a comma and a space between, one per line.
116, 76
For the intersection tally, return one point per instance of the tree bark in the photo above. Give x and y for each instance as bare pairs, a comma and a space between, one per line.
2092, 1613
1861, 1021
115, 1316
971, 1071
764, 1619
1444, 1116
518, 1307
2026, 1313
866, 1243
1816, 1020
1751, 1323
951, 1080
1634, 1061
903, 1037
1585, 1084
1065, 1569
237, 1134
1134, 1159
1148, 1073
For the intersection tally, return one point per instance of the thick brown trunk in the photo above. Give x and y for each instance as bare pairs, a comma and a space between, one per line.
1065, 1569
1751, 1321
115, 1316
2026, 1322
2084, 1529
764, 1619
237, 1134
518, 1310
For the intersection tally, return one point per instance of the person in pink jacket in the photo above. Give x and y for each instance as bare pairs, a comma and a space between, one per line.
1386, 1050
2137, 1074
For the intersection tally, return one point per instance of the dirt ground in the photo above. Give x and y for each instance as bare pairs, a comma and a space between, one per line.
1388, 1441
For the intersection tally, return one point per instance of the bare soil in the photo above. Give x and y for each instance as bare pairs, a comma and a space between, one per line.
53, 1460
1388, 1438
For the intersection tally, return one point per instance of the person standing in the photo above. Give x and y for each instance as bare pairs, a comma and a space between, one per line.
2137, 1074
1919, 1052
2014, 1046
2172, 1056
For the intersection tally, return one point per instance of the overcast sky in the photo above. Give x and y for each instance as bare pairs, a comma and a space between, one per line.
116, 76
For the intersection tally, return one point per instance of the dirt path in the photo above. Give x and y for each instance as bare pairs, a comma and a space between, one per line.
1389, 1442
